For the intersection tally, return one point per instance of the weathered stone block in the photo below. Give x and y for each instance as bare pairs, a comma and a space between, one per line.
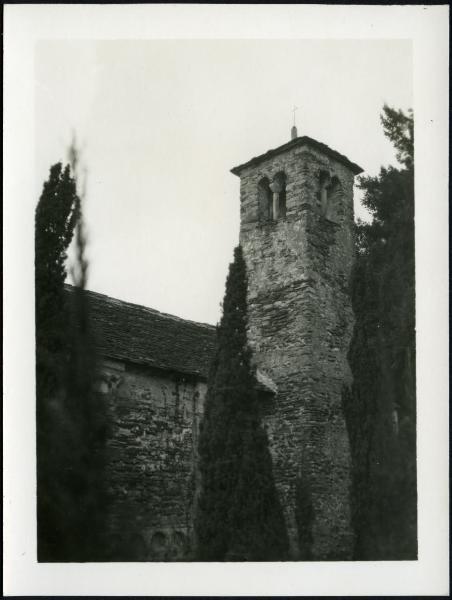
152, 461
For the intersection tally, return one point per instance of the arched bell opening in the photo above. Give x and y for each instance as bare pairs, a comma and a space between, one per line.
265, 200
334, 205
278, 187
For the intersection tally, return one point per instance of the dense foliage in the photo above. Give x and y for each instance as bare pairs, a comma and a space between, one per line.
70, 418
238, 513
381, 407
55, 219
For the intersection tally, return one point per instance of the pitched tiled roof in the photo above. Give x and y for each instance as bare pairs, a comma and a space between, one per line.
303, 140
134, 333
144, 336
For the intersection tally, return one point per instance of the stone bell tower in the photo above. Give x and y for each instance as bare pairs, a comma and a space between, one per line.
296, 233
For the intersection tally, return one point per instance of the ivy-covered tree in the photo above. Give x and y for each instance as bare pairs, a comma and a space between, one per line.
238, 516
86, 427
381, 408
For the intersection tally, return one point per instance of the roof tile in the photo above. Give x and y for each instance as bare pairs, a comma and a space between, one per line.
141, 335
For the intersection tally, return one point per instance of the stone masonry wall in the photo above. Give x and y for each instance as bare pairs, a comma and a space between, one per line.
300, 325
155, 418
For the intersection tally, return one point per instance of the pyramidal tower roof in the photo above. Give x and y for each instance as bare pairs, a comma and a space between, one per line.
304, 140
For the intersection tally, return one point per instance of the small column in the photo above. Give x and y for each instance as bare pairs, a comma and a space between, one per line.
325, 180
276, 188
275, 205
323, 200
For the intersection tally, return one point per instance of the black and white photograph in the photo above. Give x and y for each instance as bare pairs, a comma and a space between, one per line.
224, 291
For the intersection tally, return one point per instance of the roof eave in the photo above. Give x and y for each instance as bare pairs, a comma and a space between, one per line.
300, 141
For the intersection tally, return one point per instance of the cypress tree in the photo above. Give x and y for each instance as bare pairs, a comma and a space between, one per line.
56, 215
238, 512
381, 409
71, 418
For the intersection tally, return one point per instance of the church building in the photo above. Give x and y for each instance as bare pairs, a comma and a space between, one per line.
296, 204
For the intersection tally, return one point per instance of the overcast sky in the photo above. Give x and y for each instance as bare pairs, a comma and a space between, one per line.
161, 123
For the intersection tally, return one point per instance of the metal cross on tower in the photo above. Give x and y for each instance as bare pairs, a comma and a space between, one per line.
293, 132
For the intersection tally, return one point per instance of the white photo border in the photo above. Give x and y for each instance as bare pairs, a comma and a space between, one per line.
427, 27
